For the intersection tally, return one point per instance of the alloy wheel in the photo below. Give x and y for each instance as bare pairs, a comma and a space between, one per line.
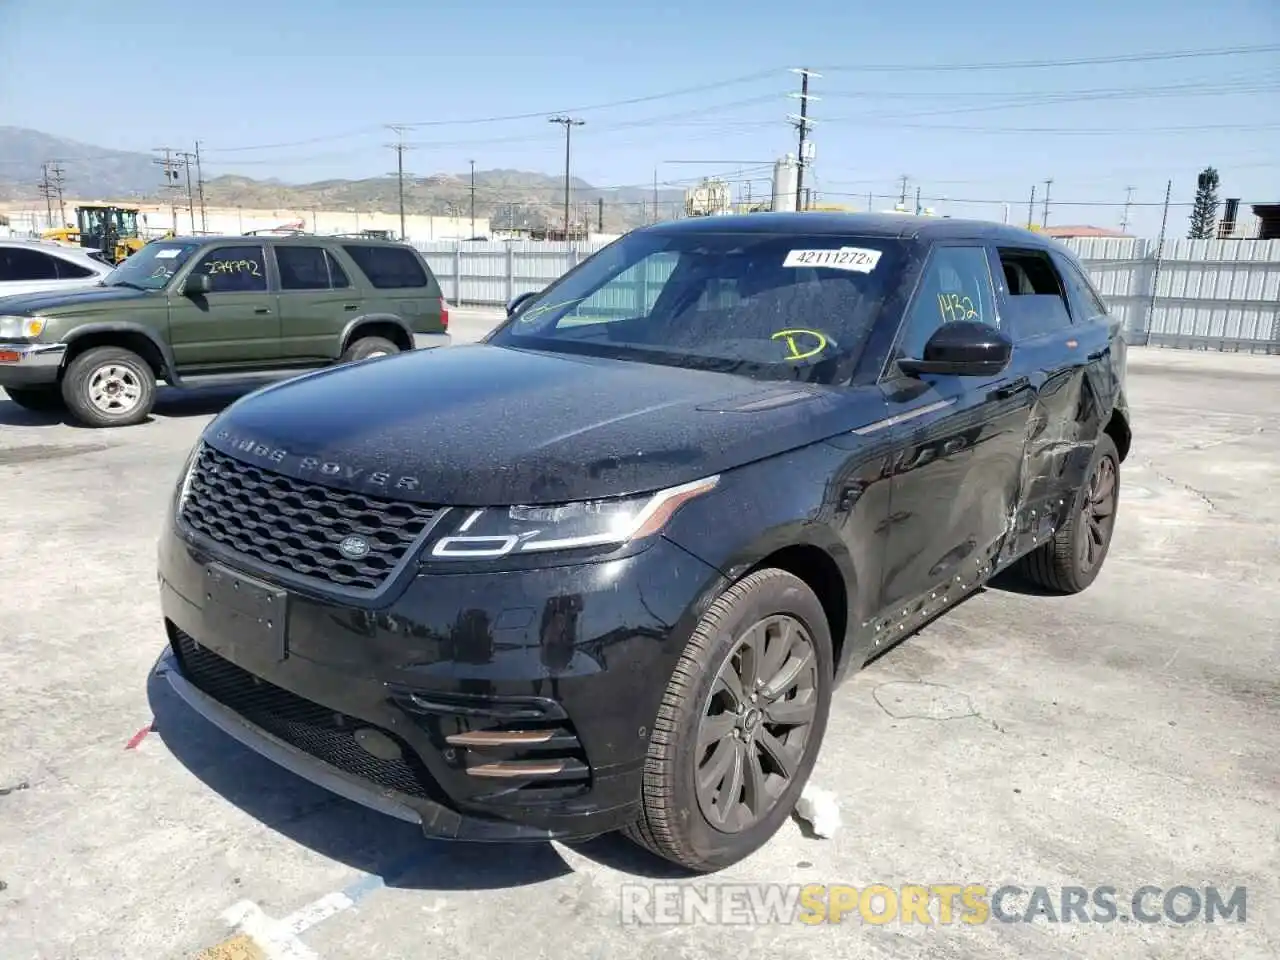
1097, 514
755, 727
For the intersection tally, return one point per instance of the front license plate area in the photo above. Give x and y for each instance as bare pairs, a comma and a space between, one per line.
245, 614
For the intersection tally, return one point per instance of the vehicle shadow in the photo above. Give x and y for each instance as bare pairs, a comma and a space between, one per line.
171, 404
1010, 581
363, 839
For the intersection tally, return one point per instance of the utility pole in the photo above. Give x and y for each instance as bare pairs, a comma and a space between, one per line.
1124, 217
46, 190
655, 194
204, 217
191, 197
473, 197
170, 172
59, 181
917, 201
1155, 274
802, 123
1047, 184
568, 123
399, 147
1031, 207
902, 200
600, 214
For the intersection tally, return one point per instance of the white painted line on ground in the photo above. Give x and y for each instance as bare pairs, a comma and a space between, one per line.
274, 938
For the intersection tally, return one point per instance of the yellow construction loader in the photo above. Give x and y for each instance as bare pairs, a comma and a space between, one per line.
112, 230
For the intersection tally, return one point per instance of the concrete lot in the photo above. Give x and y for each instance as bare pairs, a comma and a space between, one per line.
1127, 736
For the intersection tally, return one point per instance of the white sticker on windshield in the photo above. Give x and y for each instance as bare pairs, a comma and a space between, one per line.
855, 259
167, 254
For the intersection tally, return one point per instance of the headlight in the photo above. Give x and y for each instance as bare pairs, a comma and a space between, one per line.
21, 328
183, 489
488, 534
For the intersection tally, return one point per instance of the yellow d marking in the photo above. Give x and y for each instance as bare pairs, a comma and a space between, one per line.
795, 351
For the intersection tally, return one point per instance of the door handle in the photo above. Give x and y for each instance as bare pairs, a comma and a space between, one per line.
350, 306
1012, 387
261, 310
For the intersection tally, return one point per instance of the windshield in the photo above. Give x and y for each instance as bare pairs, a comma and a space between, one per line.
151, 267
763, 305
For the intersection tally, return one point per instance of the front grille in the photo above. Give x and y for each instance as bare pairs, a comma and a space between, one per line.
297, 526
314, 729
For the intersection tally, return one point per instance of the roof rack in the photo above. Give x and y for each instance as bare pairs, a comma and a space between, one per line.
277, 231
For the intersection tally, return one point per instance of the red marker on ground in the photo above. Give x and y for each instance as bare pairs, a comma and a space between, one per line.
137, 737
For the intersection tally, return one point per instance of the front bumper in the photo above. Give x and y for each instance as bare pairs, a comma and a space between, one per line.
505, 706
24, 364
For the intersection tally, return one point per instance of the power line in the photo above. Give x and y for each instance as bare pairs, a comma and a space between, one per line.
1067, 62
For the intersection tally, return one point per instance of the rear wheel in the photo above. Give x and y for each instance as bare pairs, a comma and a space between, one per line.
109, 387
39, 399
740, 725
1072, 559
366, 348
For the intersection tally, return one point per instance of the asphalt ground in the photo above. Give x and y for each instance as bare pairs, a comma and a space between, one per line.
1128, 736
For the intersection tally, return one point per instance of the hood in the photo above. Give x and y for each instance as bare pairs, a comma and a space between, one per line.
484, 425
32, 304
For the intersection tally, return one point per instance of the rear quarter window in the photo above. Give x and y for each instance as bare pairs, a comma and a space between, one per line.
389, 268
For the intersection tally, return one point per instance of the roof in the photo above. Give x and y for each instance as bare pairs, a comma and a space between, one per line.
81, 254
812, 223
250, 238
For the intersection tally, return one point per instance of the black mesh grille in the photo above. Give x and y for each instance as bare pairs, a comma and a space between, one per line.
317, 730
298, 526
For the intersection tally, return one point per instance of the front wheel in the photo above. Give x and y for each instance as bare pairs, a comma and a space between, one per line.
109, 387
36, 399
740, 725
1072, 559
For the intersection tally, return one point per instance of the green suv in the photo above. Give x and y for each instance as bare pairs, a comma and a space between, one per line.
194, 308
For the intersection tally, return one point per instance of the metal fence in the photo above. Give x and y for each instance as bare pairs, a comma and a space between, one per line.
1207, 294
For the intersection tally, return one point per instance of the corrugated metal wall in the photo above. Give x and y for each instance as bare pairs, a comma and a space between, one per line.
1215, 294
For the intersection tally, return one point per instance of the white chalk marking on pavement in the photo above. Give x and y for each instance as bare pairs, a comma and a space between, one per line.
274, 938
316, 911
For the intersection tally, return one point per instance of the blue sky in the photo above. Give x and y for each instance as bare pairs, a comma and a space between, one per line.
300, 89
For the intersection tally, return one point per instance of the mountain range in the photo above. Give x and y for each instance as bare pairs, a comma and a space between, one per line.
507, 197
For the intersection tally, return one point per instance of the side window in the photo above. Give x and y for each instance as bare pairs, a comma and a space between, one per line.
72, 271
1085, 292
956, 286
302, 268
26, 264
338, 278
234, 269
388, 268
1037, 298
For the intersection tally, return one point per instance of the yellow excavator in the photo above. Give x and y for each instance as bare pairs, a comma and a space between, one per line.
112, 230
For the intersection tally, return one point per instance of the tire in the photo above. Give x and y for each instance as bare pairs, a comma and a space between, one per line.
37, 399
366, 348
1061, 564
676, 821
123, 384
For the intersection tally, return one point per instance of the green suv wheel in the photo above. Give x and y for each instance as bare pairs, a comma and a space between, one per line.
109, 387
37, 399
366, 348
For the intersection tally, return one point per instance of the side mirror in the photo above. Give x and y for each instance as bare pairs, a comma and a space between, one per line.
518, 301
963, 349
197, 285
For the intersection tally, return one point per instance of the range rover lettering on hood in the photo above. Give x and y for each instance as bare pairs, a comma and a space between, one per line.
352, 476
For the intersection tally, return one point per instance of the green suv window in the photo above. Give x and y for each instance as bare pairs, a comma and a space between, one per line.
388, 268
309, 268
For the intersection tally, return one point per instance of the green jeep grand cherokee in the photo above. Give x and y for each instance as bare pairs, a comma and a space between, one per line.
188, 309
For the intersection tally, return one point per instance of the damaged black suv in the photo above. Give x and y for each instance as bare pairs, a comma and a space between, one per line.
603, 570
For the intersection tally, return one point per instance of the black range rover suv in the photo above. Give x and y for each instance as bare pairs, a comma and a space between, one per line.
603, 570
